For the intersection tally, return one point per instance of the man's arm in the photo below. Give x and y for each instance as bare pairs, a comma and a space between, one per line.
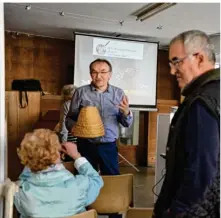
63, 129
125, 120
73, 112
202, 147
125, 116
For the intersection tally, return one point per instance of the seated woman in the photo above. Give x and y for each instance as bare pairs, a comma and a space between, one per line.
46, 188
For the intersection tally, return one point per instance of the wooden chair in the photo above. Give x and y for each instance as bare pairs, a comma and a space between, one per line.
7, 191
116, 195
87, 214
139, 213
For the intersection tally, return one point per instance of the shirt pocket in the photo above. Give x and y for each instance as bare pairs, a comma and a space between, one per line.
111, 109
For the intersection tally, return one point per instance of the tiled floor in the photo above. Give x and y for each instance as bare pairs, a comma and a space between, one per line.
143, 184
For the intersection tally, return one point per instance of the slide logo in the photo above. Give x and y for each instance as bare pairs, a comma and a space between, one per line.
118, 48
101, 49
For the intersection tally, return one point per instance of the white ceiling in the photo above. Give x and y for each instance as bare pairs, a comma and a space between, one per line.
44, 19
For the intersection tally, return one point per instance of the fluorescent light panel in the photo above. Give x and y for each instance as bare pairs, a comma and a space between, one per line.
151, 10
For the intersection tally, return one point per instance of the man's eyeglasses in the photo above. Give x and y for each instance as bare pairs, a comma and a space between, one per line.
175, 62
96, 73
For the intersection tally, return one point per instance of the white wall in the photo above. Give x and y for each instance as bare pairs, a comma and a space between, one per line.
216, 41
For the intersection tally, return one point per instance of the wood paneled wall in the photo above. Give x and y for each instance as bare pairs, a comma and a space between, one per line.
50, 102
167, 87
19, 122
46, 59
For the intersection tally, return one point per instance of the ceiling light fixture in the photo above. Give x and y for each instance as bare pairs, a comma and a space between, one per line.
61, 13
121, 22
28, 7
159, 27
151, 9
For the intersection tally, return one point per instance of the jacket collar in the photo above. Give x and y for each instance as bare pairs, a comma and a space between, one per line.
53, 175
209, 76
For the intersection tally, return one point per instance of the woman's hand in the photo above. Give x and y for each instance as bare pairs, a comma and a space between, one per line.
70, 149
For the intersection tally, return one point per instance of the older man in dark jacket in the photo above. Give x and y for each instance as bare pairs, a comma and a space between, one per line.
191, 186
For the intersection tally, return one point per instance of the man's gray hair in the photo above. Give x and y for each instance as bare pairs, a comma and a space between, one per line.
194, 41
68, 91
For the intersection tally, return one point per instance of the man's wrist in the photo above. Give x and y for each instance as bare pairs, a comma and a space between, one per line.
127, 113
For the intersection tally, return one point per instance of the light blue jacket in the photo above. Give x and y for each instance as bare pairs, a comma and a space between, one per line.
55, 192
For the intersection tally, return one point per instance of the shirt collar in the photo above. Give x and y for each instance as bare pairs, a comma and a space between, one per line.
109, 88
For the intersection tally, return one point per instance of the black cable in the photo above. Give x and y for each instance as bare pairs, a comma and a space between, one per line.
158, 182
162, 171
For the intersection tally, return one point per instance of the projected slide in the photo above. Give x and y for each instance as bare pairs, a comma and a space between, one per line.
134, 66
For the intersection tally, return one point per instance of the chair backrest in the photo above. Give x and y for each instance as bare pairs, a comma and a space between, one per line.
116, 195
139, 213
7, 192
87, 214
